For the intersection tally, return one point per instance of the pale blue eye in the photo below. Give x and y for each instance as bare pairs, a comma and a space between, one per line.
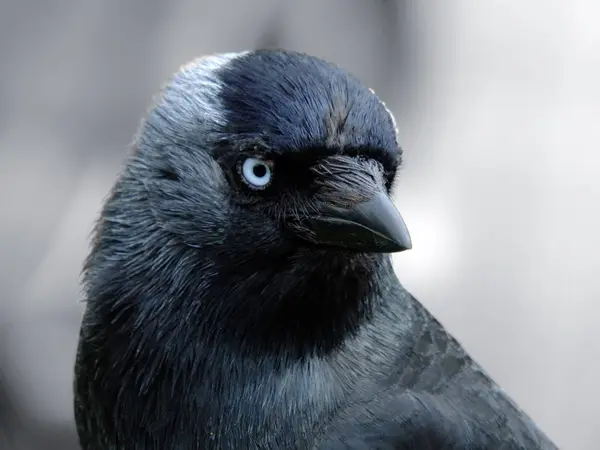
257, 173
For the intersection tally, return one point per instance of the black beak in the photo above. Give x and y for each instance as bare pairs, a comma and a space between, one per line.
374, 226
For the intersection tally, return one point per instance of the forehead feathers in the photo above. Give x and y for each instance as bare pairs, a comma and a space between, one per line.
295, 101
284, 100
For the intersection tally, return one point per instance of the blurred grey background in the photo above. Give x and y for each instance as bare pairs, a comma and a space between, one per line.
498, 106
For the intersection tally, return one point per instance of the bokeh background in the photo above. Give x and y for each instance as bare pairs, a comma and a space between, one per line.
498, 106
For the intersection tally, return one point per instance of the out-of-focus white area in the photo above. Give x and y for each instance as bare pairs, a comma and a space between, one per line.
497, 103
504, 201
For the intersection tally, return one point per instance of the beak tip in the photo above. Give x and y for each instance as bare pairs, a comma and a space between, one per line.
402, 245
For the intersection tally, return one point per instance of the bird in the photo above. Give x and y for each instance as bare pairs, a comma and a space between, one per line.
239, 291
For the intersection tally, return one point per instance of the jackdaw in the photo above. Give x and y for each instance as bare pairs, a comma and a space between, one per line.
239, 291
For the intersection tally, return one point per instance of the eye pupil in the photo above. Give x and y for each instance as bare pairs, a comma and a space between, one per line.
259, 170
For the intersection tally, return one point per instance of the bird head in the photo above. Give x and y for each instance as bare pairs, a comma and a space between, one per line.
259, 148
255, 177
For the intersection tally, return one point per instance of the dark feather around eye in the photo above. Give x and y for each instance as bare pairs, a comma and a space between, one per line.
390, 161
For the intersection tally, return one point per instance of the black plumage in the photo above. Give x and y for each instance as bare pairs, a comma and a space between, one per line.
240, 294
